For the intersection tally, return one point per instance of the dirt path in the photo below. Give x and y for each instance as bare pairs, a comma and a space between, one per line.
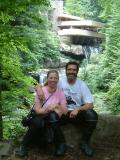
102, 152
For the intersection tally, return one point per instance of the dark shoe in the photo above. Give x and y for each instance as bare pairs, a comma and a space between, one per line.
87, 149
60, 150
22, 152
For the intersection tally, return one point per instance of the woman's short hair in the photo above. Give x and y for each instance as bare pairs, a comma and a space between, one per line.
52, 71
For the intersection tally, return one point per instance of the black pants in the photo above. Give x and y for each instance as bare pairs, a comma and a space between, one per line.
88, 120
38, 128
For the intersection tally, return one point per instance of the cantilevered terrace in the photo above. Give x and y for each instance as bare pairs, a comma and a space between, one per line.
83, 32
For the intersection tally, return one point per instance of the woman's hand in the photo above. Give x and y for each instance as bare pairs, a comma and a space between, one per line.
52, 107
42, 111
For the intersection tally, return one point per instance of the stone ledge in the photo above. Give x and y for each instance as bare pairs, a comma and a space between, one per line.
5, 148
107, 131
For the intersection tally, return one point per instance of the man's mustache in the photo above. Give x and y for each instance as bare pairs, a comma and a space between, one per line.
71, 76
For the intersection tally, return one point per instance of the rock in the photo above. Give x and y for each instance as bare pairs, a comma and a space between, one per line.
106, 132
105, 141
5, 148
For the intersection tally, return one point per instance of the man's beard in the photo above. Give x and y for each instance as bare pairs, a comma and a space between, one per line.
71, 76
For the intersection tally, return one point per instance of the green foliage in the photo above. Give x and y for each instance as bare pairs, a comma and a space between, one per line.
88, 9
12, 125
113, 97
104, 76
26, 41
100, 104
112, 53
93, 74
106, 10
12, 128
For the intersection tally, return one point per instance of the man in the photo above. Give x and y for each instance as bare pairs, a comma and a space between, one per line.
80, 105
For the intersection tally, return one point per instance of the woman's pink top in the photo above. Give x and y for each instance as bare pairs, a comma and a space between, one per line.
57, 98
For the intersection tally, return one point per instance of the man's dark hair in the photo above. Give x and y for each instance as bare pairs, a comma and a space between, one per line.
72, 63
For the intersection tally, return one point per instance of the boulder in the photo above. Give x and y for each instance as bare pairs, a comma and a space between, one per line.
107, 131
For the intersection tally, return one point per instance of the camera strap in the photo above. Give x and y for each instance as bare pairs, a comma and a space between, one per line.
47, 99
44, 101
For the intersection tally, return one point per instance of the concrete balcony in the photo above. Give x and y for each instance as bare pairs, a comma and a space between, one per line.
64, 17
79, 32
83, 23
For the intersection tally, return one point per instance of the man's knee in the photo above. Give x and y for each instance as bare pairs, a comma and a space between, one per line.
91, 118
90, 114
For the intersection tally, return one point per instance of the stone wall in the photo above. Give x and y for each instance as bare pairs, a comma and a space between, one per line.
107, 132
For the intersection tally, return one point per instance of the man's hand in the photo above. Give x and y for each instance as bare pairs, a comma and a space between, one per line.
74, 113
40, 93
41, 96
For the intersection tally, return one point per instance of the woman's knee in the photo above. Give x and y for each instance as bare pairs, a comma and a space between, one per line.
53, 117
38, 122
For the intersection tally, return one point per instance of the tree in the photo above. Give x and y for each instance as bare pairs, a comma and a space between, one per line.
25, 42
105, 78
88, 9
111, 60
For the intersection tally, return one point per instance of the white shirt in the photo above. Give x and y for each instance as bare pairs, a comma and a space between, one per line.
76, 94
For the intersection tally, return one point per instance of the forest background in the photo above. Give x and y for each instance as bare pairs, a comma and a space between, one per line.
27, 39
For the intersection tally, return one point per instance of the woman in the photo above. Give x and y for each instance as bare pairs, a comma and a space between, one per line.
48, 114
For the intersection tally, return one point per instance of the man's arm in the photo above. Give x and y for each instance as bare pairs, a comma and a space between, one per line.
81, 108
38, 106
40, 92
86, 107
